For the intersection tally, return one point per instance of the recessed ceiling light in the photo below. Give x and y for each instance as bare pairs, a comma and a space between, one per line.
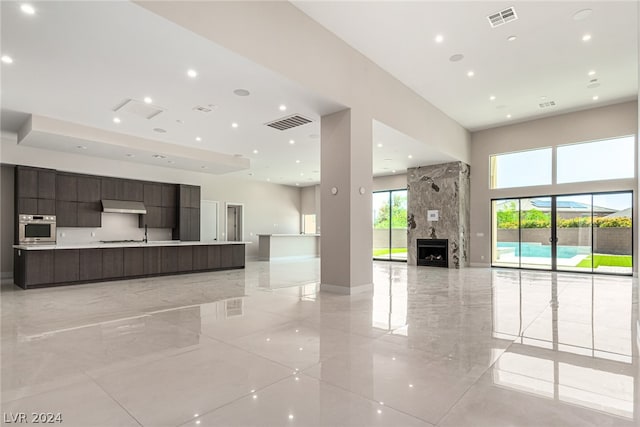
234, 125
301, 173
586, 37
28, 9
512, 38
591, 73
159, 130
297, 161
457, 57
410, 156
159, 156
242, 92
291, 141
439, 38
192, 73
198, 139
492, 98
147, 100
130, 155
470, 73
290, 416
116, 120
393, 171
283, 107
268, 179
81, 147
255, 151
379, 145
508, 116
6, 59
582, 14
595, 97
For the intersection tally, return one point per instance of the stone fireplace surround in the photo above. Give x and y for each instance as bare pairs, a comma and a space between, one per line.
443, 188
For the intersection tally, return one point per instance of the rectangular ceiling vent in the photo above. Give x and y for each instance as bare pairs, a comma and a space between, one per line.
502, 17
547, 104
289, 122
137, 108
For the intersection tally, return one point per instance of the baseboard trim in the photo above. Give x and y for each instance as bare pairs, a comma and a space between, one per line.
480, 264
6, 277
346, 290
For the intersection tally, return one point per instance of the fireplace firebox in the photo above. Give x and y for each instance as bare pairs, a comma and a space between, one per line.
433, 252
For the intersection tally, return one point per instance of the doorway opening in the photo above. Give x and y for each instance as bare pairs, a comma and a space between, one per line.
234, 221
590, 233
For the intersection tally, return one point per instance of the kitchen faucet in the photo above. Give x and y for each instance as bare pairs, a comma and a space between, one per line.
146, 239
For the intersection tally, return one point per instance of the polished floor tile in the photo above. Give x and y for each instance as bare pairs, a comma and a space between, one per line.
262, 346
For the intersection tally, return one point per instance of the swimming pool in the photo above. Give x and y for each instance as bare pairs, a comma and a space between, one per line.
539, 250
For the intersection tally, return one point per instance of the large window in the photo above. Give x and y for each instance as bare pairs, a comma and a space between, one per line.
390, 225
522, 169
595, 161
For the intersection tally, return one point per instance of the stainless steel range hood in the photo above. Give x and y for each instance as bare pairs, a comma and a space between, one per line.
124, 207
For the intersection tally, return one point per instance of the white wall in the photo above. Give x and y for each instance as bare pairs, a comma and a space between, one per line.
593, 124
390, 182
268, 208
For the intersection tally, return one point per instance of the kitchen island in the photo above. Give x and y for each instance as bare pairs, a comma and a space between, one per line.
271, 246
38, 266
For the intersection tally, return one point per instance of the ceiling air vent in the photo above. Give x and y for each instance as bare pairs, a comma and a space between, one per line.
202, 109
502, 17
137, 108
288, 122
547, 104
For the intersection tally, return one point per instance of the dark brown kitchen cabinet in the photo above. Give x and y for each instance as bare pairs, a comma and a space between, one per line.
47, 184
26, 182
89, 214
112, 263
237, 255
194, 226
90, 264
132, 190
66, 214
169, 259
66, 265
112, 189
194, 197
35, 191
213, 256
89, 189
33, 268
226, 256
169, 194
153, 217
185, 258
152, 260
168, 217
200, 257
133, 262
66, 188
152, 194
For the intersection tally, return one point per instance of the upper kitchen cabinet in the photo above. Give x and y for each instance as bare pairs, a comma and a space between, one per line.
112, 189
35, 190
89, 189
169, 195
67, 187
152, 194
188, 221
133, 190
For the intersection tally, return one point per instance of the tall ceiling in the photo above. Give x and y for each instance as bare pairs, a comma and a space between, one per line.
77, 61
547, 61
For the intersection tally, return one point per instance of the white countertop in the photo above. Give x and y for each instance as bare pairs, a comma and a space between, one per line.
290, 235
99, 245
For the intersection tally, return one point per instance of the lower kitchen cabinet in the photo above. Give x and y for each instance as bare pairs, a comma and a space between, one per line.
90, 264
39, 268
112, 263
152, 260
169, 259
200, 255
185, 258
133, 262
66, 265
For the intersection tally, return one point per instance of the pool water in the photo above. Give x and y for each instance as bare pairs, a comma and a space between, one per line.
544, 251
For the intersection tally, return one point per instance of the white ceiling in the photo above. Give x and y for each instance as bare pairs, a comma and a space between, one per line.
548, 58
76, 61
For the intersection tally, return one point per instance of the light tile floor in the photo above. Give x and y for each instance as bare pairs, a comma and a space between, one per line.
261, 347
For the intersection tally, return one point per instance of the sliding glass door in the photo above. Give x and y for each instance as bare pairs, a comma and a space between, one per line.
580, 232
390, 225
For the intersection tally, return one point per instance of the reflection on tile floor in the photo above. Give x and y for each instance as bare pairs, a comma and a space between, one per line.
261, 346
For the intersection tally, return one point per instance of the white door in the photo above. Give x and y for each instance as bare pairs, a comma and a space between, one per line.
208, 220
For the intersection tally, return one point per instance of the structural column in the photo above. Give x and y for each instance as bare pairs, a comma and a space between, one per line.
345, 202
